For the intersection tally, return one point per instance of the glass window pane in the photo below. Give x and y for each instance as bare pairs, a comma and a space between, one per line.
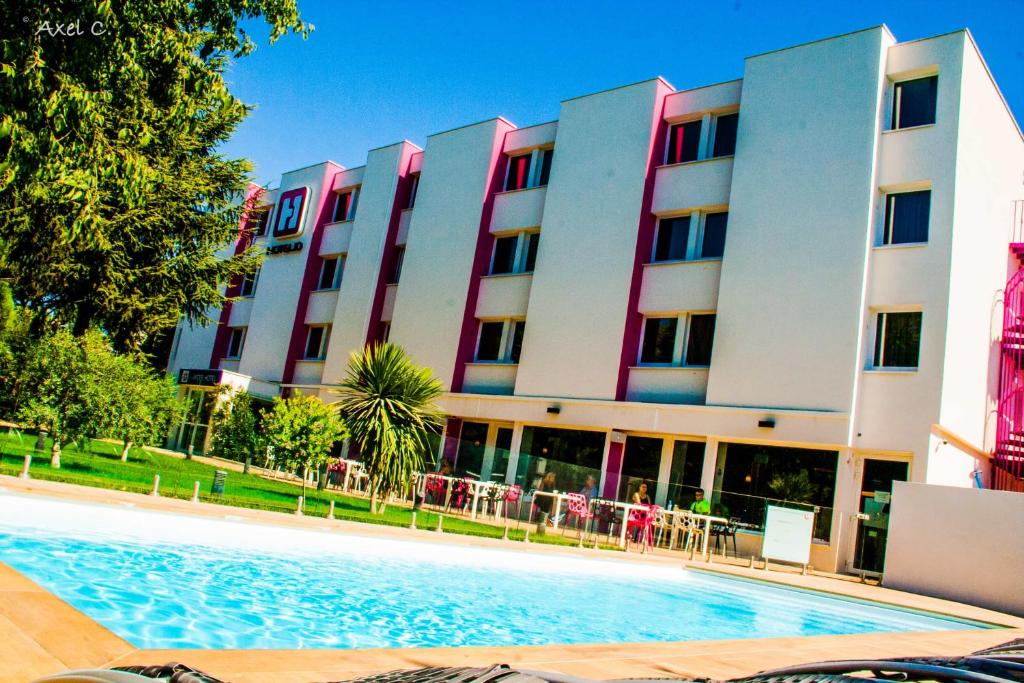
906, 217
659, 340
714, 235
702, 334
684, 142
546, 156
574, 456
316, 335
504, 255
396, 273
341, 206
532, 240
490, 341
914, 102
673, 236
518, 172
725, 135
640, 465
685, 472
519, 328
327, 272
469, 457
902, 340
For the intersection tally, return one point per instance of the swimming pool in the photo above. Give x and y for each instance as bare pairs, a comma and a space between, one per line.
163, 580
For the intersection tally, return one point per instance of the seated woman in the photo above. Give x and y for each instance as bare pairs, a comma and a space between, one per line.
589, 489
640, 496
546, 504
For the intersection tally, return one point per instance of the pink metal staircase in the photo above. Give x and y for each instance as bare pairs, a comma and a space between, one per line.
1008, 460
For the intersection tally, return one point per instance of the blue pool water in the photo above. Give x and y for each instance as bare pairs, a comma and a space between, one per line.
166, 581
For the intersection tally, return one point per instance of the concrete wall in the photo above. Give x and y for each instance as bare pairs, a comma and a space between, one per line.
365, 250
443, 235
587, 245
791, 290
957, 543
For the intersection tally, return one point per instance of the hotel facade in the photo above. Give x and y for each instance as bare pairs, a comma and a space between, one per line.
785, 287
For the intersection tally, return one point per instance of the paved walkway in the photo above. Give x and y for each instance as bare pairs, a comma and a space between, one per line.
41, 634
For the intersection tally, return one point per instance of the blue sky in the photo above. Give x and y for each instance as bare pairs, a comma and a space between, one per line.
374, 73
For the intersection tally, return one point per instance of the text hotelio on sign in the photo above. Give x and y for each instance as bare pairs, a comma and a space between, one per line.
285, 248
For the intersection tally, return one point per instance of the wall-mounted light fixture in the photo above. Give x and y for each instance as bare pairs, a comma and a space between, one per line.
767, 423
555, 409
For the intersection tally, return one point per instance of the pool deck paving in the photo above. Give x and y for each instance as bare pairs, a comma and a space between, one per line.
40, 634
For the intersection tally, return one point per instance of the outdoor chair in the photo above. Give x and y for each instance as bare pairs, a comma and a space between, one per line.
577, 506
640, 522
460, 495
513, 496
723, 532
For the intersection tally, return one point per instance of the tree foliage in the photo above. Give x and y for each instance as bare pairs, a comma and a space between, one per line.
388, 404
237, 432
114, 201
301, 430
796, 487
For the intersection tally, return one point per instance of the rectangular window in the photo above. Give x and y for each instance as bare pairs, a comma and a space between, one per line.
897, 340
489, 346
345, 206
518, 172
414, 186
906, 217
546, 155
516, 344
684, 142
725, 135
249, 283
396, 273
532, 240
702, 334
330, 273
673, 237
385, 331
236, 342
913, 102
258, 221
685, 472
659, 340
316, 342
713, 244
504, 260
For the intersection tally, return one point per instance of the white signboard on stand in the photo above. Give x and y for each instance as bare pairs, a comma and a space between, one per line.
787, 535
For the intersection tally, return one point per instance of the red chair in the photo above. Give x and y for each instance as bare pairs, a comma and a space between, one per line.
640, 521
577, 506
436, 487
513, 496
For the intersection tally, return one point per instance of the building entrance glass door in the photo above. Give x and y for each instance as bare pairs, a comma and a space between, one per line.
192, 432
873, 526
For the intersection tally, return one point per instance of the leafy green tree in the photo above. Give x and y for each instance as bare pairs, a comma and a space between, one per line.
388, 404
60, 388
237, 432
796, 487
114, 199
301, 431
136, 405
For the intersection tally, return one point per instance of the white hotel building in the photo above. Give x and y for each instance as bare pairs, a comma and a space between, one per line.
801, 270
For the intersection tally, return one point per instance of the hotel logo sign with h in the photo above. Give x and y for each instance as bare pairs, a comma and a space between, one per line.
292, 209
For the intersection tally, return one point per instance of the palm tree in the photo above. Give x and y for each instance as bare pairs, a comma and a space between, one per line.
387, 402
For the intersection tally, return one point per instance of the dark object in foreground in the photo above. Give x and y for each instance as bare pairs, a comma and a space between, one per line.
1001, 664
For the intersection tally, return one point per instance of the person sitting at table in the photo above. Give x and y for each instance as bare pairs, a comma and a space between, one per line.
700, 505
546, 503
640, 496
589, 489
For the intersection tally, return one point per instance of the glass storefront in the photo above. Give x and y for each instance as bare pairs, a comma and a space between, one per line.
191, 436
641, 462
754, 476
573, 456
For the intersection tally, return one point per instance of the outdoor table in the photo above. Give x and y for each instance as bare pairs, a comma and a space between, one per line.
349, 465
626, 509
559, 497
449, 481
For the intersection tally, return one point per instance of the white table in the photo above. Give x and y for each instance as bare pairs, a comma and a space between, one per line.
477, 485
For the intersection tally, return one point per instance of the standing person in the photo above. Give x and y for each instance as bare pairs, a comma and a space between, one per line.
700, 506
546, 503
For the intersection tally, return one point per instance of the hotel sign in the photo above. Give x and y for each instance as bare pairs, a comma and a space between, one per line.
199, 377
290, 212
285, 248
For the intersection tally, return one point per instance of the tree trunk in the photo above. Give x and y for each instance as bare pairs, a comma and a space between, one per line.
305, 472
55, 455
373, 501
124, 451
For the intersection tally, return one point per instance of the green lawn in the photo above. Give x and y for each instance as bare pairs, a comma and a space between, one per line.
99, 465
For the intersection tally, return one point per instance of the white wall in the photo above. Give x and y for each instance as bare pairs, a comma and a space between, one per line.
989, 167
280, 282
442, 242
957, 543
587, 244
364, 254
799, 220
